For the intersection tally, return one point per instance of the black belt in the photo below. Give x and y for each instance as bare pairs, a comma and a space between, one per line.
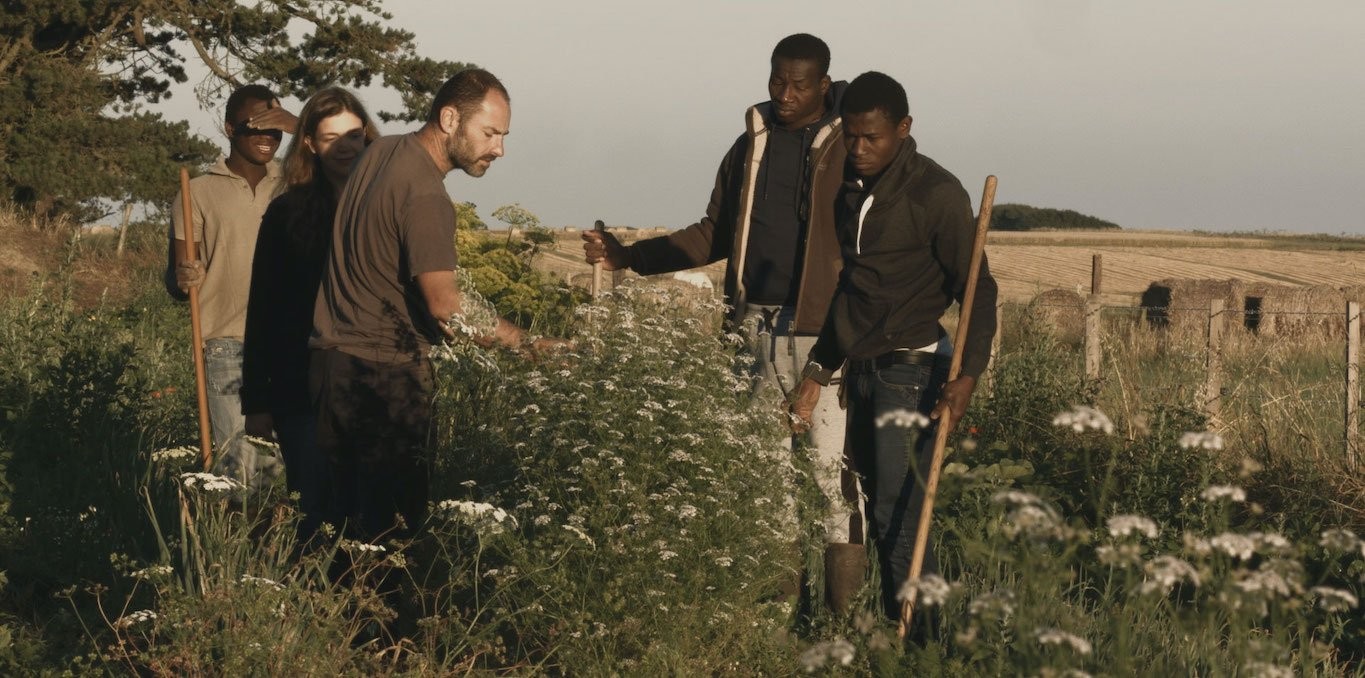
885, 360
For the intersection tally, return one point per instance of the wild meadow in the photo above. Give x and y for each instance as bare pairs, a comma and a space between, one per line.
629, 509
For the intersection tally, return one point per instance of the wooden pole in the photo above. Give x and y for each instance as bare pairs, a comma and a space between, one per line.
123, 228
1213, 380
1353, 382
196, 327
597, 272
1096, 274
995, 344
941, 431
1093, 354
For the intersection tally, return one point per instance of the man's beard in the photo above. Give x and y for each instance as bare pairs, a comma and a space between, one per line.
462, 155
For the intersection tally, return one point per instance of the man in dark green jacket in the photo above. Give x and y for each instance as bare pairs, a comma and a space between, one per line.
906, 232
771, 217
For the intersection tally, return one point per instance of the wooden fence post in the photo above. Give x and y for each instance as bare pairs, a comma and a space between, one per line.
597, 271
1213, 380
1092, 338
1352, 382
1096, 274
995, 344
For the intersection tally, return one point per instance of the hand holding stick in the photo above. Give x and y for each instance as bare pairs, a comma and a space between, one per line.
196, 327
926, 515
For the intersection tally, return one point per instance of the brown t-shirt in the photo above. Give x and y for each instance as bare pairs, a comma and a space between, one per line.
394, 221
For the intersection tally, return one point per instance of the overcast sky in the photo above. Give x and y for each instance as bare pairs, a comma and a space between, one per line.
1170, 114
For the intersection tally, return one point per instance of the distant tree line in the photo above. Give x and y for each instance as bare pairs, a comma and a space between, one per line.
1017, 217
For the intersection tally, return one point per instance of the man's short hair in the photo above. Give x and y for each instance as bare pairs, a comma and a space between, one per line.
873, 91
243, 94
803, 47
465, 91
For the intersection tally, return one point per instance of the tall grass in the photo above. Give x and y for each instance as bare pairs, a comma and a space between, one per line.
626, 510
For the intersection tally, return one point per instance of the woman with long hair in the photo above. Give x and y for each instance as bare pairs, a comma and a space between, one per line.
291, 250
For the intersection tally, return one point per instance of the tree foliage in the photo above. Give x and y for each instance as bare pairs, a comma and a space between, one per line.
75, 76
1017, 217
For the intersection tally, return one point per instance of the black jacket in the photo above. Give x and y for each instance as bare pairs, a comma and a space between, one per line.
905, 261
286, 272
724, 232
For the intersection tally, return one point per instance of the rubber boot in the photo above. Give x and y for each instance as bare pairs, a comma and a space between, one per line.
845, 571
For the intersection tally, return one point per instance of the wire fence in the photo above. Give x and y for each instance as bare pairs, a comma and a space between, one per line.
1216, 332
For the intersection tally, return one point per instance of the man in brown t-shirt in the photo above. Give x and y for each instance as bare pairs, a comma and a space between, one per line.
387, 295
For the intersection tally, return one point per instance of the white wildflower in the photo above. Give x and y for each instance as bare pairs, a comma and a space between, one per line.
930, 590
1238, 546
478, 318
1197, 545
484, 518
260, 581
1038, 521
997, 604
667, 555
1060, 637
1250, 467
1165, 572
838, 651
1015, 497
1265, 670
152, 572
1340, 540
174, 454
724, 561
132, 618
1335, 600
1201, 440
209, 482
687, 511
541, 520
1082, 417
1123, 555
1270, 543
360, 546
903, 418
1124, 525
580, 534
1229, 492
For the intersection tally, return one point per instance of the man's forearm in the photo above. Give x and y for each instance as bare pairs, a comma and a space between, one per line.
509, 335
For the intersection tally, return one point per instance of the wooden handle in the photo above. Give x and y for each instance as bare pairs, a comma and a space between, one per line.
597, 272
983, 222
196, 326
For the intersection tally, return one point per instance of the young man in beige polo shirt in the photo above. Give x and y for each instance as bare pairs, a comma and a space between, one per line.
227, 203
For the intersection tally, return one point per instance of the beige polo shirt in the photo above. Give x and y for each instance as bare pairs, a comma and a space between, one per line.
227, 216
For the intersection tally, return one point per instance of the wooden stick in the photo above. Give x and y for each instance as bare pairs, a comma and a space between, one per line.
983, 222
196, 327
1353, 383
597, 267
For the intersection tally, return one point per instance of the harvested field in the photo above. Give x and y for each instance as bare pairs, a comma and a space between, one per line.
1026, 264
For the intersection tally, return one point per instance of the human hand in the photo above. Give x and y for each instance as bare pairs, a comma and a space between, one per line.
189, 274
956, 396
801, 405
603, 247
260, 425
549, 348
277, 117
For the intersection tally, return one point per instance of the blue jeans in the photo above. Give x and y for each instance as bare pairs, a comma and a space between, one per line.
223, 377
882, 457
